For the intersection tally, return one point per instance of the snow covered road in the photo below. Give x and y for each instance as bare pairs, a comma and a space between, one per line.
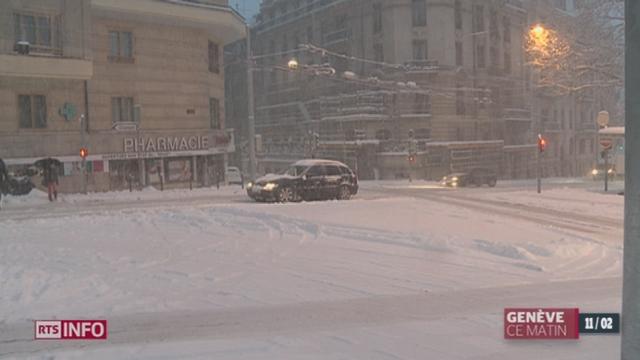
257, 281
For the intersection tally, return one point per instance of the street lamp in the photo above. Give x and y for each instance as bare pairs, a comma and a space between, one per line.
538, 30
293, 64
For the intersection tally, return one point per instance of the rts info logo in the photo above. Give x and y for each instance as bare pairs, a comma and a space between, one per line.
70, 330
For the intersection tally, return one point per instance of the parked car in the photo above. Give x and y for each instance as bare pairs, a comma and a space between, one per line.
19, 185
234, 176
306, 180
476, 177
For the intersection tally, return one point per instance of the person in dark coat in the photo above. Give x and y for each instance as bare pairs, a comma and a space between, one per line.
4, 177
4, 180
50, 180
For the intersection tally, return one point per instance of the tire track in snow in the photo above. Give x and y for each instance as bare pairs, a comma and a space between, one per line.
313, 317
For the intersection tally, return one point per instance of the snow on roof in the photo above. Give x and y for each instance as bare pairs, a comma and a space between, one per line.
613, 130
311, 162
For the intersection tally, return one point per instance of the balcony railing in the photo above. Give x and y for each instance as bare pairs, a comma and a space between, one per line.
337, 36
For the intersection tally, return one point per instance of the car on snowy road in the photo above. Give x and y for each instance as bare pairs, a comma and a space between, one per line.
306, 180
475, 177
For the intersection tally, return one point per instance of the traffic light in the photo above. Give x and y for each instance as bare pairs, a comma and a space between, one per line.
542, 143
84, 152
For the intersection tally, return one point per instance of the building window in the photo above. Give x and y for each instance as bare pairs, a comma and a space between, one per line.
459, 54
506, 34
377, 18
121, 46
341, 22
457, 8
561, 4
33, 111
285, 45
422, 104
507, 62
583, 145
214, 57
572, 145
480, 56
310, 34
419, 50
214, 113
122, 109
378, 52
493, 23
34, 29
460, 107
493, 57
419, 11
478, 18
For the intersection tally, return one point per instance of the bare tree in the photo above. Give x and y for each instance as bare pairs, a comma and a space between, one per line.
576, 53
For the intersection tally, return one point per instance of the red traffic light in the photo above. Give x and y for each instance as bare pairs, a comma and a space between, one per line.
84, 152
542, 143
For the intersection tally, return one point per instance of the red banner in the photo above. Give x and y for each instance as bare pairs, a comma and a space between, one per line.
70, 330
541, 323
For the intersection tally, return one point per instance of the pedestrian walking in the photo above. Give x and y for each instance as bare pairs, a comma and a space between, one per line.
4, 180
50, 180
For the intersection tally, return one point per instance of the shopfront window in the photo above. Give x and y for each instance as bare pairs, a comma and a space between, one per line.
178, 169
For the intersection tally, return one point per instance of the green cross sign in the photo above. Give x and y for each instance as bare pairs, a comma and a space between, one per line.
67, 111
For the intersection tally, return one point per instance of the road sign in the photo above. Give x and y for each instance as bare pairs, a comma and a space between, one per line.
606, 143
603, 119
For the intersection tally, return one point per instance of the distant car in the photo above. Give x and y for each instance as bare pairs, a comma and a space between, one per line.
234, 176
475, 177
598, 172
306, 180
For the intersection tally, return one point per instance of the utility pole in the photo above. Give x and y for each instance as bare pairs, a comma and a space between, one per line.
542, 146
630, 344
605, 155
251, 123
83, 122
539, 172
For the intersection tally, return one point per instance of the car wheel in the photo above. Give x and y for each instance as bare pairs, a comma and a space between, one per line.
492, 183
344, 193
285, 194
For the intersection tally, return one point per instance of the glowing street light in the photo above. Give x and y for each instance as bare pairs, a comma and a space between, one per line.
293, 64
538, 30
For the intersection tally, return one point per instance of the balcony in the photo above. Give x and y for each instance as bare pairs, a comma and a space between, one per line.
552, 126
337, 37
53, 67
222, 20
517, 115
586, 126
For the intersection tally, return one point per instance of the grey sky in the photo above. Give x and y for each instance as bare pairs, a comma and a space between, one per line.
248, 8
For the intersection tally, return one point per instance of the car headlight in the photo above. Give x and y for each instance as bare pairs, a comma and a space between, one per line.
454, 184
249, 185
455, 178
594, 172
270, 186
610, 171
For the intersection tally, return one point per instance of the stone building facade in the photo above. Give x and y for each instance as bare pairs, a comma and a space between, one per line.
461, 80
139, 84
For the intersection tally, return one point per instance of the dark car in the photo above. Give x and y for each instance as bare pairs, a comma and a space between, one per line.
475, 177
598, 172
306, 180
